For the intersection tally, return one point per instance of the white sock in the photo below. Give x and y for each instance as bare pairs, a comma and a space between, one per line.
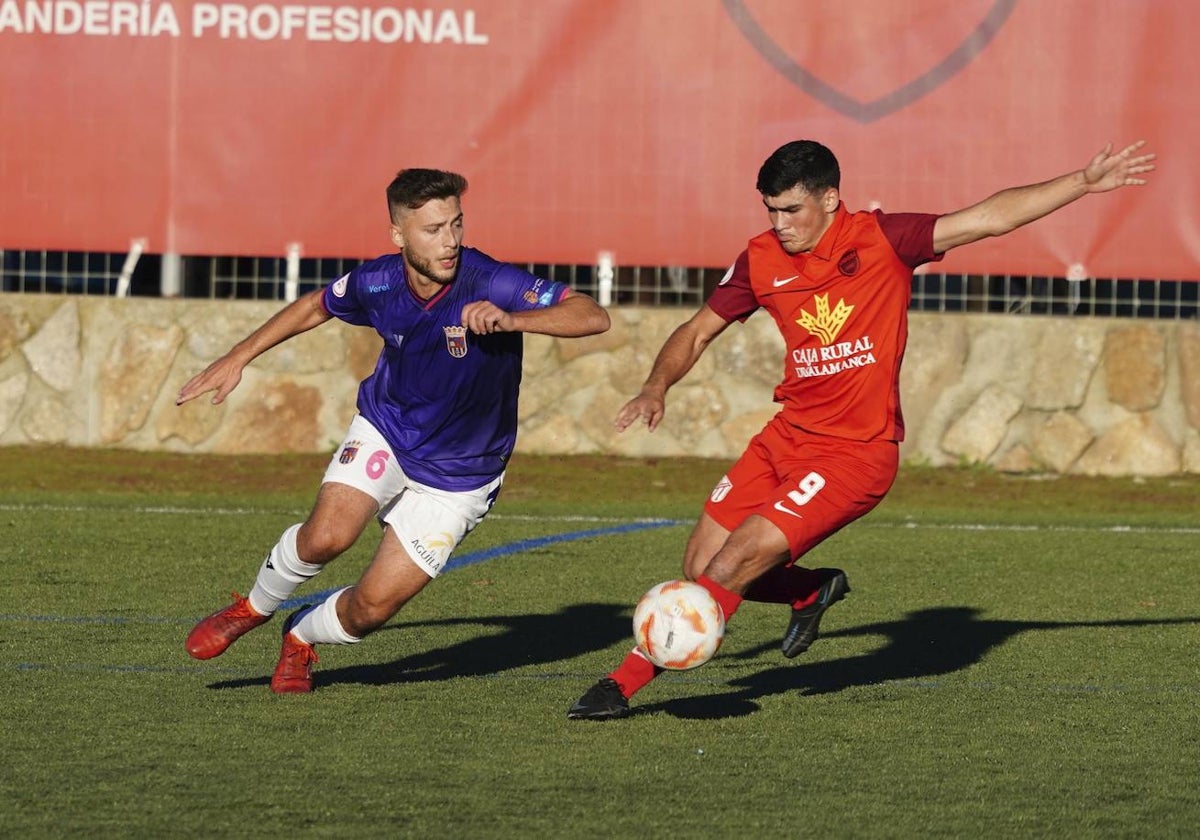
320, 625
280, 574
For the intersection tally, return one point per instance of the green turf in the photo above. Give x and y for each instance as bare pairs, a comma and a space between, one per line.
1016, 659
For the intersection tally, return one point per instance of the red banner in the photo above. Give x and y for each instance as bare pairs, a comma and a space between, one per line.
628, 126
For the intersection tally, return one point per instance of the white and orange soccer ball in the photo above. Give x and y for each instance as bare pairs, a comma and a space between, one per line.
678, 625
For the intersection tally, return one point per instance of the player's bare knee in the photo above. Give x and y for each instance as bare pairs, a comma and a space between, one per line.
320, 543
360, 616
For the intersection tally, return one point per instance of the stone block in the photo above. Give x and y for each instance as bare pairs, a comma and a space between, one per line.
1018, 459
191, 423
1191, 451
738, 430
49, 419
53, 352
975, 435
132, 376
1135, 369
692, 410
937, 352
272, 416
557, 434
1060, 439
1138, 446
752, 352
616, 336
1189, 372
362, 352
15, 327
1065, 360
12, 395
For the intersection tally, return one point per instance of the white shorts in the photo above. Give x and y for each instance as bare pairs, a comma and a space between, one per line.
429, 523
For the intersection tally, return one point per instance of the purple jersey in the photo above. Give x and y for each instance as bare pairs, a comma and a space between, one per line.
445, 399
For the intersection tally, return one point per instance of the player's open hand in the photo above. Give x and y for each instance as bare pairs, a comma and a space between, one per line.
221, 376
644, 406
1107, 171
483, 317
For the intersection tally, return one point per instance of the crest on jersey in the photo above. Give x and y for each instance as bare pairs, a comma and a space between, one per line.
848, 264
456, 341
826, 323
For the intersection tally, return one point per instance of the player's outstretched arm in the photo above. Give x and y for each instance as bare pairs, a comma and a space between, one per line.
678, 355
225, 373
1009, 209
573, 316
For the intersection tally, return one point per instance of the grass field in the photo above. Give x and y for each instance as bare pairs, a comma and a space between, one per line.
1017, 659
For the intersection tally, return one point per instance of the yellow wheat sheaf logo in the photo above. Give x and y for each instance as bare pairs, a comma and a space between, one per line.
826, 324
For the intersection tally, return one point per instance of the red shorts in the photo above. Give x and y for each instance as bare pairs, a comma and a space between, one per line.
809, 486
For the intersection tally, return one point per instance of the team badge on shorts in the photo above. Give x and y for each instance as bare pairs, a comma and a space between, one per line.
349, 451
456, 341
722, 489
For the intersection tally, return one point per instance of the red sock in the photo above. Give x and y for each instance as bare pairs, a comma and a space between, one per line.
634, 673
729, 601
793, 585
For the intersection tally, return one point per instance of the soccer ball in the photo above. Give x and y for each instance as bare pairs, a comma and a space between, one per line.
678, 625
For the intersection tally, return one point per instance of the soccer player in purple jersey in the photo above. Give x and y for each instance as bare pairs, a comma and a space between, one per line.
436, 421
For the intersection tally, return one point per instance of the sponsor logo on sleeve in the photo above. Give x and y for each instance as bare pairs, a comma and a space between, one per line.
721, 490
339, 285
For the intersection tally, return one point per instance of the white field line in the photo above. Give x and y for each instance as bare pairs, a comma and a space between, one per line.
220, 511
937, 526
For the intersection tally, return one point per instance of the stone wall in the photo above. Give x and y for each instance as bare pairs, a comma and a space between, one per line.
1021, 394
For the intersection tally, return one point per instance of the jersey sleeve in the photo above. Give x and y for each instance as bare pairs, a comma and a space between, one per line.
340, 300
733, 299
514, 290
910, 235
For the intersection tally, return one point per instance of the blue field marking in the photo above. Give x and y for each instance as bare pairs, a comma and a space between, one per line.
474, 557
469, 559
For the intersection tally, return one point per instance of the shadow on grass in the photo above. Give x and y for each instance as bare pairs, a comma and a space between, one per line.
923, 645
523, 640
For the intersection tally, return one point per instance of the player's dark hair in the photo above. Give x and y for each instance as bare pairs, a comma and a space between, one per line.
411, 188
803, 163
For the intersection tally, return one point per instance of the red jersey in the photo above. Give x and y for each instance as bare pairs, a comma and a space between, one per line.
843, 311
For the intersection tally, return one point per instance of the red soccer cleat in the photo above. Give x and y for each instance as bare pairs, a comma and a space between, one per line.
212, 635
293, 673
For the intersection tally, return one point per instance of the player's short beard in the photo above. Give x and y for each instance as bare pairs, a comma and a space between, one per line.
425, 268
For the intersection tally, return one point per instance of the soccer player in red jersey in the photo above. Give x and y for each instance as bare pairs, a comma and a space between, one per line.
838, 286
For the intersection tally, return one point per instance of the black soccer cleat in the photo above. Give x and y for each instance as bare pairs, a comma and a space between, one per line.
603, 701
802, 629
